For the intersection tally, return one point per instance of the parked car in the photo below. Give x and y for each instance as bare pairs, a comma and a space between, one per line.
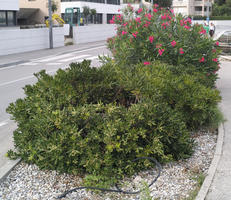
224, 39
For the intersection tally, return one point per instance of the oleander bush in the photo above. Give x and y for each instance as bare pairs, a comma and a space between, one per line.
143, 102
160, 35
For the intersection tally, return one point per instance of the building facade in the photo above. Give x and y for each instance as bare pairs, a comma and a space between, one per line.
105, 9
35, 11
8, 11
192, 7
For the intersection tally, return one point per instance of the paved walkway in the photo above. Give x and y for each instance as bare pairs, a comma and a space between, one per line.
220, 188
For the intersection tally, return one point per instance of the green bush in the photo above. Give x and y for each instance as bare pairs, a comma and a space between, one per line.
165, 37
182, 92
85, 120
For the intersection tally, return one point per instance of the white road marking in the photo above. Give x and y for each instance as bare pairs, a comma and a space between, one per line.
4, 122
14, 81
28, 63
74, 51
55, 57
29, 77
73, 58
53, 63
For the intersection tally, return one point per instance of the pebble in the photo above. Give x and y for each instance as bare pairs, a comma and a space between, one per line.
27, 182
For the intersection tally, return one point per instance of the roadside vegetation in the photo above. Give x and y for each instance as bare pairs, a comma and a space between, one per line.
146, 101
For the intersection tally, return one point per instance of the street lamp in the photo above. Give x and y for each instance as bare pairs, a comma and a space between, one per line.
207, 11
50, 25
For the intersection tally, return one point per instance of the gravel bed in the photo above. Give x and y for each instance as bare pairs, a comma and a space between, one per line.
27, 182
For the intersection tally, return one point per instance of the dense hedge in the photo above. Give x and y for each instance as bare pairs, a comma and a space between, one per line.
97, 120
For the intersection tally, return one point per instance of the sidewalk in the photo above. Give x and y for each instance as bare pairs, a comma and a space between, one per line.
220, 188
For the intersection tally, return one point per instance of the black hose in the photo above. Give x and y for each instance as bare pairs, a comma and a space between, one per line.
117, 188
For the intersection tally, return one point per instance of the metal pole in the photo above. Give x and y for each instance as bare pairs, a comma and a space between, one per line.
207, 12
50, 25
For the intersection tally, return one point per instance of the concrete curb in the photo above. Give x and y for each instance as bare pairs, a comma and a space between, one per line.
212, 169
226, 57
7, 168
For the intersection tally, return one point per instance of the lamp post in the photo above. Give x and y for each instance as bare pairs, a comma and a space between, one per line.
50, 25
207, 11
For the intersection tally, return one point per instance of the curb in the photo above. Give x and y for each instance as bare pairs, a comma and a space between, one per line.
7, 168
226, 57
212, 169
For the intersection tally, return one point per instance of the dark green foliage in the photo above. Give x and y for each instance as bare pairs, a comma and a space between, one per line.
93, 120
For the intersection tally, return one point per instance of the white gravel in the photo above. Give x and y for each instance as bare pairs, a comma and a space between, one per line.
27, 182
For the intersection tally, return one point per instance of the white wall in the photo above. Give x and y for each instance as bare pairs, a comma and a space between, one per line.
23, 40
100, 7
9, 4
92, 33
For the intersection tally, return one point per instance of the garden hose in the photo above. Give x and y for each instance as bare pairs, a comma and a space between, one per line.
117, 188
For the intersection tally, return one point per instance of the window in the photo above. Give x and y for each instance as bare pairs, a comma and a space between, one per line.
10, 18
198, 8
7, 18
2, 18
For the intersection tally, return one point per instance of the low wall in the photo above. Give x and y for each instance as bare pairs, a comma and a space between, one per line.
221, 24
93, 33
23, 40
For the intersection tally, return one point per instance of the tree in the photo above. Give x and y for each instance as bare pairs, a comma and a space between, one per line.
163, 3
93, 13
54, 6
86, 13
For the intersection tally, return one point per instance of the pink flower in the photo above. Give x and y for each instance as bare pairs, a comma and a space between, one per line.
217, 43
146, 63
112, 21
181, 22
156, 5
214, 50
161, 51
203, 31
163, 25
125, 24
158, 46
187, 27
155, 10
149, 16
172, 11
163, 17
151, 38
124, 32
215, 59
134, 34
173, 43
146, 25
202, 60
138, 19
181, 51
140, 10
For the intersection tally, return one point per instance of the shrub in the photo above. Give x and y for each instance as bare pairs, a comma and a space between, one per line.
182, 92
84, 120
146, 37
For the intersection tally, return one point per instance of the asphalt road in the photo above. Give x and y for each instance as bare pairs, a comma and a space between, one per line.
16, 73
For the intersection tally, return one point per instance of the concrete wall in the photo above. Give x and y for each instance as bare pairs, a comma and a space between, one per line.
23, 40
92, 33
9, 5
42, 5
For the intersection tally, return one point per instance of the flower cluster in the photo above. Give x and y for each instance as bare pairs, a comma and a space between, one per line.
160, 35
